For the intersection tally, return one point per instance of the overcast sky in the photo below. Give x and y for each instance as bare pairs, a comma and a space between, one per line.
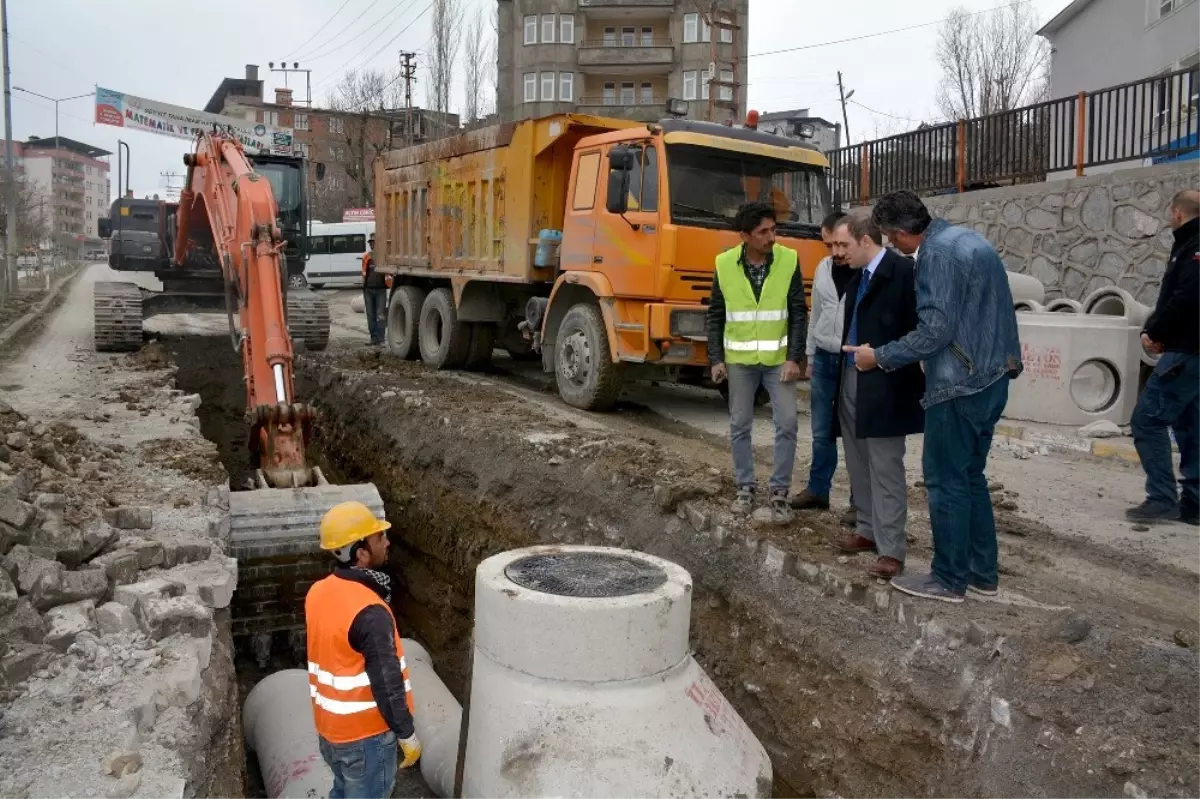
161, 50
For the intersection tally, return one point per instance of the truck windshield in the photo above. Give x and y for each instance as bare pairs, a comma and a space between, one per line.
708, 185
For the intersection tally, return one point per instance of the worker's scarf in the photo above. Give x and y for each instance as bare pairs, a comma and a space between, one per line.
384, 582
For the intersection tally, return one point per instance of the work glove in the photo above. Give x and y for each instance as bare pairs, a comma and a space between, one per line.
410, 747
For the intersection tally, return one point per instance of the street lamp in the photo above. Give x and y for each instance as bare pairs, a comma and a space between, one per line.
56, 101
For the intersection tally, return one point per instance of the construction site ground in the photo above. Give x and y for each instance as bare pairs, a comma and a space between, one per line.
1081, 678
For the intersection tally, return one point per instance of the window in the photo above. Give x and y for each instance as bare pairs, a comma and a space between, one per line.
643, 181
585, 182
531, 30
706, 76
726, 32
610, 94
726, 94
547, 85
626, 94
689, 85
356, 244
318, 245
530, 87
647, 36
705, 31
566, 28
628, 37
335, 125
271, 118
566, 87
610, 37
547, 28
647, 94
301, 122
691, 28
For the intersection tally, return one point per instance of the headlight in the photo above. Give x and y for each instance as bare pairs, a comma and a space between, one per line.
688, 323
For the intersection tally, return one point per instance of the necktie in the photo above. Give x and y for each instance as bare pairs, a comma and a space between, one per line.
852, 336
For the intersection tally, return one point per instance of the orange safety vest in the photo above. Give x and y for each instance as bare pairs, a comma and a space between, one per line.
366, 258
344, 708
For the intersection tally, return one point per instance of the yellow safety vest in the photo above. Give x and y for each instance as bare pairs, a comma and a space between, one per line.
756, 330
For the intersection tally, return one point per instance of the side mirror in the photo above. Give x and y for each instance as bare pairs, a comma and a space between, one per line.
104, 227
320, 171
620, 166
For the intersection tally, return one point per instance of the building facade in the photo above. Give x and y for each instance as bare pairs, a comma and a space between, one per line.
67, 191
622, 58
1099, 43
346, 142
826, 135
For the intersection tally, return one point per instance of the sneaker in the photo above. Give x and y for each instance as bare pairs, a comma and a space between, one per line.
743, 503
983, 590
849, 517
781, 511
1152, 512
806, 500
926, 587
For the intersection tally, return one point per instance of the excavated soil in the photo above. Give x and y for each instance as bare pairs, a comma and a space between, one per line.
853, 690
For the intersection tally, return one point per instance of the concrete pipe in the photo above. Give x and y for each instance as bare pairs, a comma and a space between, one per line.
1028, 306
1116, 301
1026, 287
582, 684
1063, 305
437, 717
278, 723
358, 304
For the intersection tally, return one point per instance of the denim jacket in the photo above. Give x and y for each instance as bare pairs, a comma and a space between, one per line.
967, 328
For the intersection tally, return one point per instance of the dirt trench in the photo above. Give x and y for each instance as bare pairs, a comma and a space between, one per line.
847, 700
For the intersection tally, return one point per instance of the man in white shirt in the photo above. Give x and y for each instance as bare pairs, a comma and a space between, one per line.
824, 354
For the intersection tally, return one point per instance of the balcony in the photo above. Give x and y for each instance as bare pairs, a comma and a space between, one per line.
638, 110
617, 57
627, 9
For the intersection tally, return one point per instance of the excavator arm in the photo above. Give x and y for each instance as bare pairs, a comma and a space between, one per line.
224, 193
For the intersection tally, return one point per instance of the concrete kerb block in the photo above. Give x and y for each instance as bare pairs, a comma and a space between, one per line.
161, 617
68, 621
777, 562
132, 595
113, 618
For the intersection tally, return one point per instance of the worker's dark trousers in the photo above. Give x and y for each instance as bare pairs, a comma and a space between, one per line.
375, 305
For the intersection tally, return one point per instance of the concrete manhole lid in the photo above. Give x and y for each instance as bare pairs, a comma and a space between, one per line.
585, 574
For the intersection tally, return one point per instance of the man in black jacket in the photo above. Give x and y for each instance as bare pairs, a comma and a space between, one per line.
1170, 398
757, 322
877, 409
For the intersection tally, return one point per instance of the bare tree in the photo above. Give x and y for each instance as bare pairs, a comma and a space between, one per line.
990, 62
358, 132
474, 68
446, 40
33, 215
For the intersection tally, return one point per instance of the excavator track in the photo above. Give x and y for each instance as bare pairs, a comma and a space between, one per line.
117, 316
282, 517
308, 319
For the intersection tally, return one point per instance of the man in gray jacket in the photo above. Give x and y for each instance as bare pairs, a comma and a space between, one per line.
823, 352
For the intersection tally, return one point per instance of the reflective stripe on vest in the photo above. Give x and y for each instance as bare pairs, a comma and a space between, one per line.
756, 330
344, 708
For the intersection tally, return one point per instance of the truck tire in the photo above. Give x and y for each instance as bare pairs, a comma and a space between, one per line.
443, 339
586, 375
404, 322
483, 341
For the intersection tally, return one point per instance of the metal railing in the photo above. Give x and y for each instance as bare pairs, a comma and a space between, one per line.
1153, 119
618, 101
625, 43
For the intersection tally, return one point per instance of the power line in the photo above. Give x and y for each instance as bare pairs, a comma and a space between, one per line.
892, 116
374, 55
318, 31
318, 50
398, 7
884, 33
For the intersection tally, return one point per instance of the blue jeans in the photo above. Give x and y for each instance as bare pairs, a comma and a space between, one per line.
958, 435
363, 769
1170, 400
743, 385
822, 394
375, 306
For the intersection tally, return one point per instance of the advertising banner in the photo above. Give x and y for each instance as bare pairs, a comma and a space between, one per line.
137, 113
358, 214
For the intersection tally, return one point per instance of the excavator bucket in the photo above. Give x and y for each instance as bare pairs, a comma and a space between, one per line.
287, 520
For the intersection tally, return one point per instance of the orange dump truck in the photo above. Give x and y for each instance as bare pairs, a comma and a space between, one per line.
588, 240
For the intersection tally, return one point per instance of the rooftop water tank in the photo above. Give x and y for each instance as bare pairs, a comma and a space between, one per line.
583, 684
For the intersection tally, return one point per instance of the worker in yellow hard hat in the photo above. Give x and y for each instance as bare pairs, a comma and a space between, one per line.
358, 679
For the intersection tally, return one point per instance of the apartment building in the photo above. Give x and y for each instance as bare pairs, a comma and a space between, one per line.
70, 185
821, 133
622, 58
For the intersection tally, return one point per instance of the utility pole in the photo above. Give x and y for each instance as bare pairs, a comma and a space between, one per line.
408, 70
845, 96
283, 67
9, 283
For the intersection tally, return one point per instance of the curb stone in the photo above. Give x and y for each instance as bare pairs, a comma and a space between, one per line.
8, 334
1100, 448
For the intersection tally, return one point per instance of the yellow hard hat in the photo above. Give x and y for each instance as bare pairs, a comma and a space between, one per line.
348, 522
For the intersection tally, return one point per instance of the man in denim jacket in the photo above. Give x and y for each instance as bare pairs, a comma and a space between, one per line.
967, 337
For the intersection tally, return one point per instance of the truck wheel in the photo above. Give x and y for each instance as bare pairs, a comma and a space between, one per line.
403, 322
483, 341
587, 378
443, 340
